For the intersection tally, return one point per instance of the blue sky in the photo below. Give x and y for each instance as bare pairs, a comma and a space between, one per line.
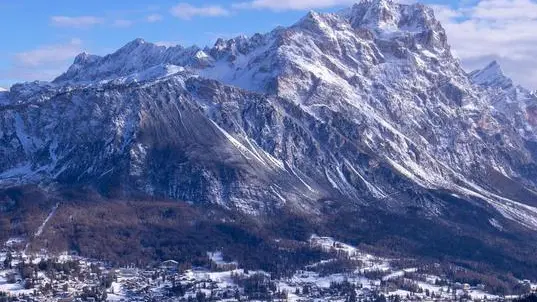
41, 38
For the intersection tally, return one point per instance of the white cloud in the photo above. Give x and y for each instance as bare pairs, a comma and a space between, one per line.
187, 11
77, 22
154, 18
281, 5
167, 43
43, 63
506, 10
49, 54
123, 23
502, 30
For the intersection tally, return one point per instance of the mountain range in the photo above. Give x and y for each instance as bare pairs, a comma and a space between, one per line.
360, 124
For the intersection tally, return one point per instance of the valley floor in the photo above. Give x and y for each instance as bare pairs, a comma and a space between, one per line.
350, 276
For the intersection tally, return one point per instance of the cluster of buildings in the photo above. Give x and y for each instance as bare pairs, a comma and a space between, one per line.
69, 278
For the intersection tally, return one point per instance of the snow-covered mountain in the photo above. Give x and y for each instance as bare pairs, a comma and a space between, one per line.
512, 101
366, 107
491, 76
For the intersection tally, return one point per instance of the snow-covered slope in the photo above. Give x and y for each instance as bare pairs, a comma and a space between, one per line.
366, 106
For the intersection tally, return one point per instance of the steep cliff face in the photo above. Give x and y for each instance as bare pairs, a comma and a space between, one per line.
155, 138
366, 107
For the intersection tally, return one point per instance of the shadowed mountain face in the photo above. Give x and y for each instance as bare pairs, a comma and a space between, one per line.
360, 122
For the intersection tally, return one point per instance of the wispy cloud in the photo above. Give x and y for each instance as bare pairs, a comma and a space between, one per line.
500, 30
167, 43
115, 18
48, 54
78, 22
154, 18
507, 10
187, 11
122, 23
44, 62
282, 5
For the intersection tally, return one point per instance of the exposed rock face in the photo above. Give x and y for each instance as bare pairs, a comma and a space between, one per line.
366, 107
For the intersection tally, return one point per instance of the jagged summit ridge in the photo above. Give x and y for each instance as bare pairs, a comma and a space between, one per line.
379, 16
136, 56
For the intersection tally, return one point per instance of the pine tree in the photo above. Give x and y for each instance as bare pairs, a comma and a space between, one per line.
7, 261
352, 297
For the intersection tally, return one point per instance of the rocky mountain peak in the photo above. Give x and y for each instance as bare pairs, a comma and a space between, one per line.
491, 75
391, 16
135, 56
374, 13
140, 46
240, 45
137, 42
389, 20
512, 101
85, 58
